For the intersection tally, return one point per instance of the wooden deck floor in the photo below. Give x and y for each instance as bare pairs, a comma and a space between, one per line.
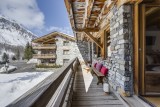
94, 97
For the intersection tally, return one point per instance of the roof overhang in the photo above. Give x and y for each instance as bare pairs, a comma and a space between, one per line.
88, 14
50, 38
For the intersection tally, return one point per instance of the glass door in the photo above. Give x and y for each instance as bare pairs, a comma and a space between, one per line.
150, 50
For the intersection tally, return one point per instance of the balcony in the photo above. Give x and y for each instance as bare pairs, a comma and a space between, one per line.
68, 87
44, 56
44, 46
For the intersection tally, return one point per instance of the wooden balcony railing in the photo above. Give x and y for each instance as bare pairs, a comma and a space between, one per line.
44, 56
45, 46
54, 91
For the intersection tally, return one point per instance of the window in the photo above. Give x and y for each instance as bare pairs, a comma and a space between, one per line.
65, 43
65, 52
65, 61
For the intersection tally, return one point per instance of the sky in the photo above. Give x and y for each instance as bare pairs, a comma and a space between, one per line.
39, 16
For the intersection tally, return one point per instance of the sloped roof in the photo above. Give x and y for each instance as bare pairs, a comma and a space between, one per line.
51, 37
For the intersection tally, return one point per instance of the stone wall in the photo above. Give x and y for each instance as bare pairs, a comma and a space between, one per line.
120, 61
83, 51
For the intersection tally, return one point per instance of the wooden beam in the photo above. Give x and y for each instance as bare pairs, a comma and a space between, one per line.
142, 27
87, 30
122, 2
151, 2
69, 7
88, 12
93, 39
136, 49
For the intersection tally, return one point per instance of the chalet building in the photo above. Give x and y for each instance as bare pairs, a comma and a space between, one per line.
124, 36
54, 48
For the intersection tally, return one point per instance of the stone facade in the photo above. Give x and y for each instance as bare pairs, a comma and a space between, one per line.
76, 49
60, 56
120, 62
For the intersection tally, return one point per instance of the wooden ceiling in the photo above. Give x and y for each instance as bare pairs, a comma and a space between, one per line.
84, 13
88, 14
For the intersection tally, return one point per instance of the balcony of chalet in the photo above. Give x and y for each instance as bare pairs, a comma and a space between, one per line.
44, 56
71, 86
44, 47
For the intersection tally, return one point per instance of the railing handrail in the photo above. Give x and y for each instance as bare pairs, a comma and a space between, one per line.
41, 94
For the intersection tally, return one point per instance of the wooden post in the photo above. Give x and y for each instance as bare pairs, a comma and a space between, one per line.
136, 46
103, 42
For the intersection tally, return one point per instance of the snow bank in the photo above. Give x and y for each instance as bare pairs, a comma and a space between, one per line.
11, 68
32, 61
14, 85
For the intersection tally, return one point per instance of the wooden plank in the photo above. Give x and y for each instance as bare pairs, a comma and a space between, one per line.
83, 86
88, 12
104, 102
94, 97
88, 98
91, 94
97, 72
102, 106
87, 30
60, 93
91, 90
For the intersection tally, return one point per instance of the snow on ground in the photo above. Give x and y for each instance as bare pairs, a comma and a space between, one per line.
32, 61
13, 86
10, 68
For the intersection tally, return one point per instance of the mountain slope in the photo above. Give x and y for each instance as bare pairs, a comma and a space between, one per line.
13, 37
14, 34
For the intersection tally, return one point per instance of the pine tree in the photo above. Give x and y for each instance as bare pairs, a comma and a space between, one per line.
18, 54
5, 57
28, 52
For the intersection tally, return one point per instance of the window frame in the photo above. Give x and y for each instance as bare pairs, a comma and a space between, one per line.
67, 50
